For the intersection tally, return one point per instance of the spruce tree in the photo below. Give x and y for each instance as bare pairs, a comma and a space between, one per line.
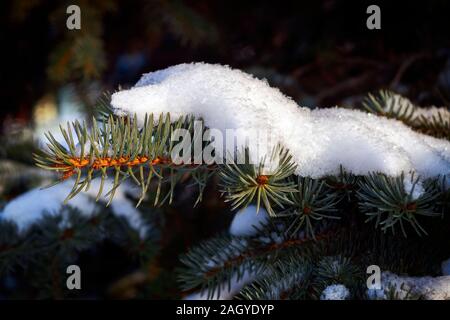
312, 237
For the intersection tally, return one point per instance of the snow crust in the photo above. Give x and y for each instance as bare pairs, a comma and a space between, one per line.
320, 140
429, 288
416, 190
28, 208
245, 221
335, 292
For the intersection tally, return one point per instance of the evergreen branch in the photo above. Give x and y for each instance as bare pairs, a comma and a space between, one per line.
244, 183
13, 250
103, 108
438, 125
385, 200
313, 202
297, 278
394, 106
344, 184
65, 236
285, 279
213, 264
388, 104
336, 270
122, 148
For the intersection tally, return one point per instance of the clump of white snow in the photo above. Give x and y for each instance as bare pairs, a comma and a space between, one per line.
335, 292
246, 221
28, 208
413, 186
320, 140
429, 288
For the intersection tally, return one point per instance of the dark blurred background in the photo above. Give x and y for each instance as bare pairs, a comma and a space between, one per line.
319, 52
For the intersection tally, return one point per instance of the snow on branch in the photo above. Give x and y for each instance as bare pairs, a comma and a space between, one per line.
404, 287
319, 140
28, 208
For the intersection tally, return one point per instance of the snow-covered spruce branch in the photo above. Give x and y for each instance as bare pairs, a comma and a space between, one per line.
395, 287
384, 200
258, 259
327, 160
212, 266
135, 143
37, 230
120, 146
433, 120
287, 278
56, 239
296, 278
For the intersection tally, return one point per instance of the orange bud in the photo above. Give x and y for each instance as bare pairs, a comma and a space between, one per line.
262, 179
